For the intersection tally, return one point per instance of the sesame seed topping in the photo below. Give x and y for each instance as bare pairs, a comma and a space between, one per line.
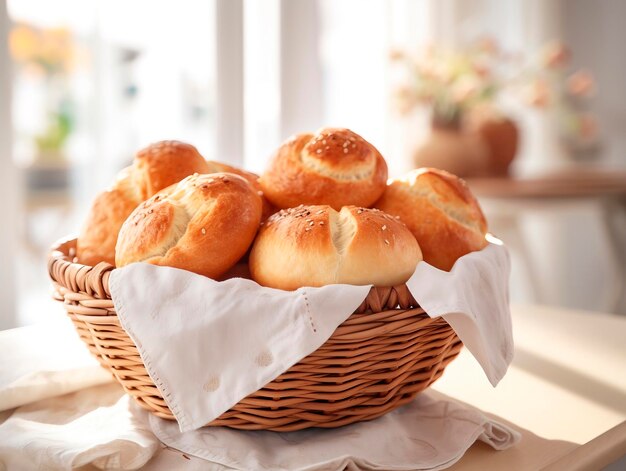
346, 144
384, 227
359, 211
203, 231
386, 242
311, 223
321, 211
324, 141
307, 229
318, 151
321, 223
345, 151
397, 217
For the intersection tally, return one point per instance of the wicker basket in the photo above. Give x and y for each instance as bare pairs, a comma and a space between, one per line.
378, 359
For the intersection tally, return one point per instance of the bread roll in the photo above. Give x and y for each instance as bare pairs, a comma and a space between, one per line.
220, 167
156, 167
96, 241
440, 211
204, 224
336, 167
317, 246
164, 163
253, 179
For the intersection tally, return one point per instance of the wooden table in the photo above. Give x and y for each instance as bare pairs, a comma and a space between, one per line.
506, 200
575, 183
565, 388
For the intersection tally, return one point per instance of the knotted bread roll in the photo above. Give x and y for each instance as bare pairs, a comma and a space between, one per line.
204, 224
336, 167
253, 179
156, 167
317, 246
440, 211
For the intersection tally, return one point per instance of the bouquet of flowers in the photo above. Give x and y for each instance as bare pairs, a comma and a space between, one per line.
454, 83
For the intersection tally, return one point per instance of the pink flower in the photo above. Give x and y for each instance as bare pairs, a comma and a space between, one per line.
587, 127
555, 55
538, 93
481, 69
405, 99
581, 84
465, 89
487, 45
397, 54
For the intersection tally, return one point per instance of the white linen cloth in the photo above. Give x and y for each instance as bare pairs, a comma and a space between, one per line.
93, 426
426, 434
62, 365
69, 411
209, 344
474, 299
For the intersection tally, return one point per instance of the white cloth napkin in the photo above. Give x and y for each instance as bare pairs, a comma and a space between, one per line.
474, 299
45, 360
209, 344
95, 426
54, 426
426, 434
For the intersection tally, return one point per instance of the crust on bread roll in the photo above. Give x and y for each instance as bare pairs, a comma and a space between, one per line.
204, 224
335, 166
96, 241
253, 179
155, 167
317, 246
440, 211
221, 167
164, 163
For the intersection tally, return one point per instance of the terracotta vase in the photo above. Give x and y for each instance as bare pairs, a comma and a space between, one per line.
450, 148
501, 136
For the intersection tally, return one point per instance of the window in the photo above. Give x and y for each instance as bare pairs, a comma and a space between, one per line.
93, 82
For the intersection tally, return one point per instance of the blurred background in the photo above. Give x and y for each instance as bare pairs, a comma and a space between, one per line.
524, 98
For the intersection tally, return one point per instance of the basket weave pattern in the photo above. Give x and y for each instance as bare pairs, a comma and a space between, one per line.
378, 359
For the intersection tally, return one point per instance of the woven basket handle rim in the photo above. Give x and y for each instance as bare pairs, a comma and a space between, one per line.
94, 280
63, 270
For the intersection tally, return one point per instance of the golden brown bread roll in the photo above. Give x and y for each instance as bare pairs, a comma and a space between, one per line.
336, 167
317, 246
220, 167
96, 242
204, 224
253, 179
156, 167
440, 211
164, 163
